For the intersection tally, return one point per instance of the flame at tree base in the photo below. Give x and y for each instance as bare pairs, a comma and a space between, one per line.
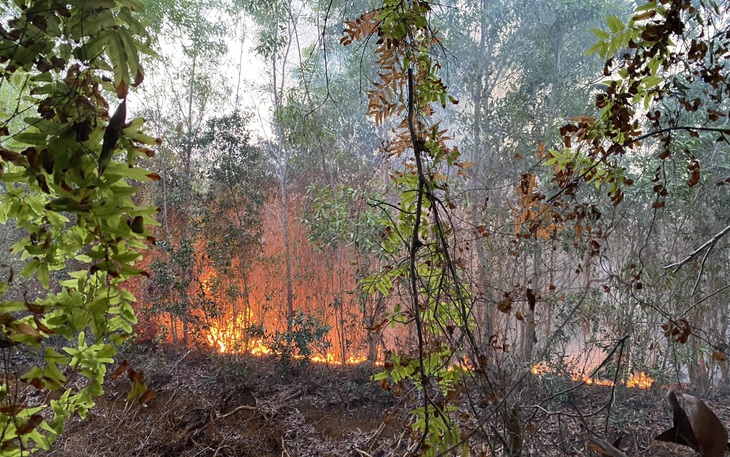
640, 380
228, 340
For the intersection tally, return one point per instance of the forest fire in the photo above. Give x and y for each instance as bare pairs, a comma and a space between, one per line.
230, 340
242, 306
227, 340
639, 380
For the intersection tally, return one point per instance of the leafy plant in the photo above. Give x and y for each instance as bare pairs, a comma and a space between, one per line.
68, 189
308, 336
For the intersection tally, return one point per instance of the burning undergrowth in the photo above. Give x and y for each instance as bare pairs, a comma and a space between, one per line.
635, 380
207, 293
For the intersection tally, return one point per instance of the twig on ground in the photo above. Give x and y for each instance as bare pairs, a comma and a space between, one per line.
284, 452
375, 436
603, 447
237, 409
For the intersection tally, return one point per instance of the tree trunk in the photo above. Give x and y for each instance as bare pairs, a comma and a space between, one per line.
188, 152
373, 332
341, 309
287, 249
697, 366
530, 335
282, 163
484, 257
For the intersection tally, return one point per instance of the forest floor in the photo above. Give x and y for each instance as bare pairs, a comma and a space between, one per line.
218, 406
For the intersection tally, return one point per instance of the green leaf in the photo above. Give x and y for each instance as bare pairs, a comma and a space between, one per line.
646, 6
596, 48
118, 57
601, 34
131, 51
614, 24
95, 45
31, 138
651, 81
131, 172
30, 267
381, 288
12, 306
43, 276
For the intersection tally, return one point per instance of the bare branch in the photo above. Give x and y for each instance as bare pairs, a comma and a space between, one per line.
709, 244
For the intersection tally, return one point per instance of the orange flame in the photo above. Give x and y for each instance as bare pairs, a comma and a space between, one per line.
640, 380
223, 340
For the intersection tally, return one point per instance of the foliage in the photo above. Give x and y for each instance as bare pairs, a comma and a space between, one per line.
438, 304
307, 337
231, 217
186, 76
71, 193
663, 105
656, 145
194, 23
647, 80
336, 219
197, 276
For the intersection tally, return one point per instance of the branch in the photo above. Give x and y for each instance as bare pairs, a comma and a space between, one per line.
687, 128
616, 146
603, 447
709, 244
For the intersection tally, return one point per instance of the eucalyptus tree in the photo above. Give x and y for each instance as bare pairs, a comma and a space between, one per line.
185, 87
277, 42
659, 132
518, 71
192, 37
486, 41
337, 149
231, 219
185, 84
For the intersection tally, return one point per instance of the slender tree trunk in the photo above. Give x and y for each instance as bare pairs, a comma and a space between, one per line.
530, 335
189, 140
483, 255
373, 336
697, 368
185, 330
240, 65
246, 311
173, 329
236, 327
283, 161
287, 249
341, 300
163, 171
722, 335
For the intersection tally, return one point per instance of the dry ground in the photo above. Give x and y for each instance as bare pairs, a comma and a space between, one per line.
246, 408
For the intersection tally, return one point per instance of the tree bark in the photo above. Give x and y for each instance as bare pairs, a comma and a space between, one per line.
283, 165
